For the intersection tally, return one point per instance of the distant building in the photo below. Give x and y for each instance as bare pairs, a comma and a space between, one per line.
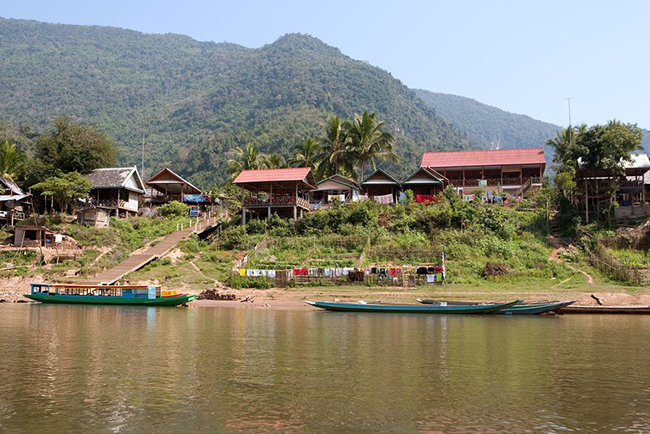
513, 171
335, 187
381, 186
631, 192
13, 201
425, 183
281, 191
166, 186
119, 190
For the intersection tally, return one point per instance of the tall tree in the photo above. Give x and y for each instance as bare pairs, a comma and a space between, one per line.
367, 143
306, 154
332, 144
246, 158
275, 161
65, 188
71, 147
12, 161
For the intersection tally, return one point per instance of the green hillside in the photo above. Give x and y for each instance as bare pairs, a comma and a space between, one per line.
196, 100
489, 127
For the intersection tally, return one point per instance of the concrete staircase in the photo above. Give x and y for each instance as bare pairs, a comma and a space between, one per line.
139, 260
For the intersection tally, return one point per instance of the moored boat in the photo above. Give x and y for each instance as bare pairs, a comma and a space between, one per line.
637, 310
410, 308
517, 309
133, 295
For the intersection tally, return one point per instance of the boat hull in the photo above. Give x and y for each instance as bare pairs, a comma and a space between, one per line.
534, 309
120, 301
420, 309
613, 310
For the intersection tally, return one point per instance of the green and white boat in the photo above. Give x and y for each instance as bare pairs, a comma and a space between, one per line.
125, 295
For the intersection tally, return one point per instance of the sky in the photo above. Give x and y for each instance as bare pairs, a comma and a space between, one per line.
521, 56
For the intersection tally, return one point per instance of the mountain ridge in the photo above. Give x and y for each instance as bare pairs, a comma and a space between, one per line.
197, 100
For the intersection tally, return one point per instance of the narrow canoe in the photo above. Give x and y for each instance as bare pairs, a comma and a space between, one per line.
517, 309
638, 310
410, 308
534, 309
174, 300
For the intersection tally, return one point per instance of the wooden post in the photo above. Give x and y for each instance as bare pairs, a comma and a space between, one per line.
243, 209
586, 201
270, 201
295, 213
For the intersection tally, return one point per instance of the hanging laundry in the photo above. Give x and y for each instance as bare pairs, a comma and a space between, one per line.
271, 274
431, 278
385, 199
242, 272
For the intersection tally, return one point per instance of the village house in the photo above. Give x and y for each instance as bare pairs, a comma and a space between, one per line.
281, 191
594, 186
381, 187
516, 172
335, 187
166, 186
425, 183
118, 190
13, 201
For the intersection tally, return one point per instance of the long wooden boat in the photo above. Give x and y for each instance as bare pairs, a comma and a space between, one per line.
113, 295
410, 308
517, 309
635, 310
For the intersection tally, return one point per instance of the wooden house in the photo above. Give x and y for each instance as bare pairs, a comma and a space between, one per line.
425, 183
119, 190
594, 186
335, 187
35, 236
513, 171
281, 191
381, 186
166, 186
13, 201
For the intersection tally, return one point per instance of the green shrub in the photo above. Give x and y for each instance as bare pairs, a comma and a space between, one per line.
173, 209
255, 226
234, 238
239, 282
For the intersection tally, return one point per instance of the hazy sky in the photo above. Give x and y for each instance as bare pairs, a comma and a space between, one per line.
521, 56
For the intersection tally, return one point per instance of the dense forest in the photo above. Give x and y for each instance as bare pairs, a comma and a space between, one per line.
194, 100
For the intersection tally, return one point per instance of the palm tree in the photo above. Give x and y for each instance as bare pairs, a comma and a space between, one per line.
306, 154
564, 144
275, 161
367, 143
332, 157
12, 161
245, 159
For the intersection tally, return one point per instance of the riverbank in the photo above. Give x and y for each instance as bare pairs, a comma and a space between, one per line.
294, 298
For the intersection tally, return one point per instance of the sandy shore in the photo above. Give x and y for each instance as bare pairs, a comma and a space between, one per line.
11, 290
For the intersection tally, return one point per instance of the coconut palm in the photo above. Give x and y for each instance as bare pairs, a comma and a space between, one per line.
12, 161
333, 152
564, 144
245, 158
367, 143
275, 161
306, 154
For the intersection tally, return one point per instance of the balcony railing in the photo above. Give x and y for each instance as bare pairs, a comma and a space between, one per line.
276, 201
493, 182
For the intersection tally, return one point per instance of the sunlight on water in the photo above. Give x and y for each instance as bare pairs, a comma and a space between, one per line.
130, 369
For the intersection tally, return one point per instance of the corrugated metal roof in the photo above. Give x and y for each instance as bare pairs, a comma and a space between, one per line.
13, 188
497, 157
114, 177
273, 175
639, 161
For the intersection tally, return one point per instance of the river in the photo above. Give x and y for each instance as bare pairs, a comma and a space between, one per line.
78, 369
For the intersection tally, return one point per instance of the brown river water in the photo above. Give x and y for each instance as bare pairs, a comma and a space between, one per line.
79, 369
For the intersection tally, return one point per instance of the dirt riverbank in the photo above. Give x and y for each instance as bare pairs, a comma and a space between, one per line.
11, 290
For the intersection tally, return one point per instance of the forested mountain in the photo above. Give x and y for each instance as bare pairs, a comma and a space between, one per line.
489, 127
196, 100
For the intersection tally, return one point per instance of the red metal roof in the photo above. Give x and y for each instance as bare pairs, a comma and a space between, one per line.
498, 157
273, 175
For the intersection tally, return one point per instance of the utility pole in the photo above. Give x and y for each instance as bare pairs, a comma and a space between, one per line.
568, 100
142, 161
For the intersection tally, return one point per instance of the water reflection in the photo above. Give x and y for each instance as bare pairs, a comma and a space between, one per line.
121, 369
